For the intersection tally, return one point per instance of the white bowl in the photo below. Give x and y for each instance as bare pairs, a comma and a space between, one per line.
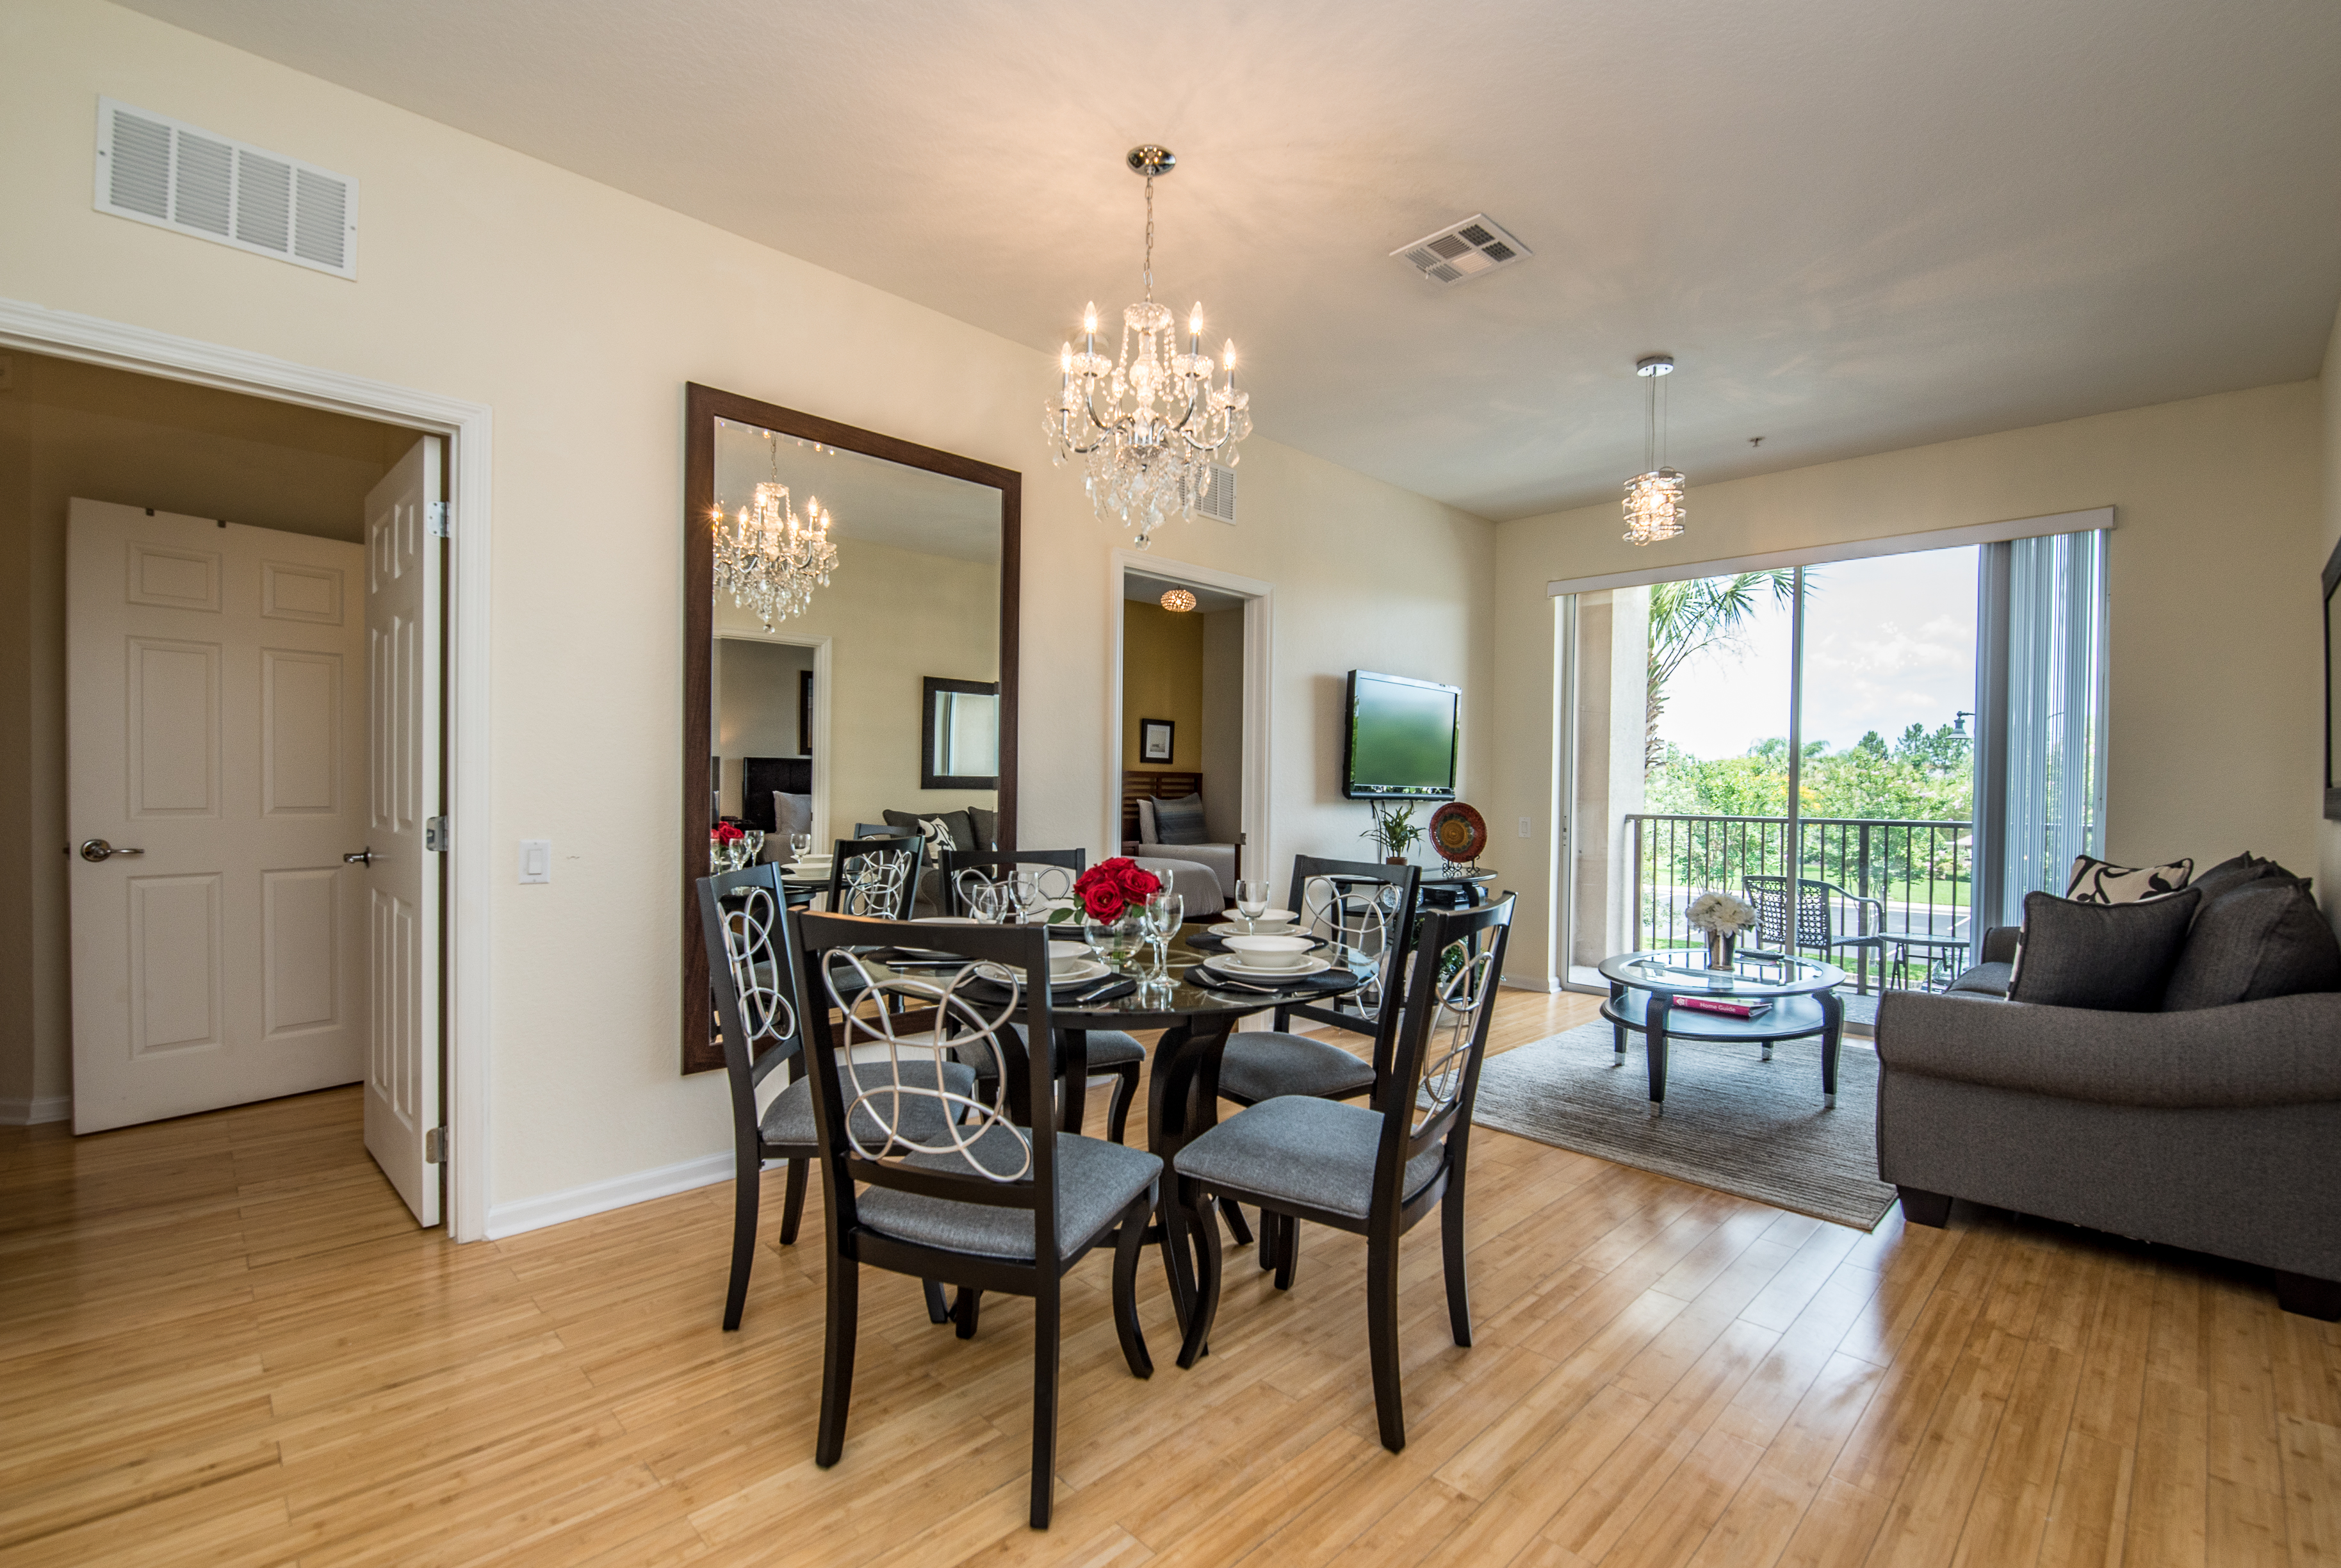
1271, 951
1268, 923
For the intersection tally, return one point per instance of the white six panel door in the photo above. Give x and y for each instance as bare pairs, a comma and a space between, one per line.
402, 882
216, 705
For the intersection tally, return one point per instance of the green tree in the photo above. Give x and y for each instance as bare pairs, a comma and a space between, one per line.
1691, 616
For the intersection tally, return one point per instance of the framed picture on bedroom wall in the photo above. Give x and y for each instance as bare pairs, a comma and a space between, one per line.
1154, 740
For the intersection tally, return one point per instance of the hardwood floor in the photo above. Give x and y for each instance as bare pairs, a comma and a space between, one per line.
223, 1340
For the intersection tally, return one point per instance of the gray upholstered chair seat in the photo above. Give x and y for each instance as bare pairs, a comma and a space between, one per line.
1317, 1153
1095, 1181
789, 1118
1263, 1064
1985, 979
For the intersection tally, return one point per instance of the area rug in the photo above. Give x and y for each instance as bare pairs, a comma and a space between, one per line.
1733, 1122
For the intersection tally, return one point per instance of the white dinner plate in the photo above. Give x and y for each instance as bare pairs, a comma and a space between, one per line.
1226, 965
1078, 973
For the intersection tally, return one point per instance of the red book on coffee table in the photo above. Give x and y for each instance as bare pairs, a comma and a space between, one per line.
1731, 1007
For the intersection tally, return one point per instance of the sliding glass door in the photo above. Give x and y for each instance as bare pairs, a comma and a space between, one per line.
1871, 751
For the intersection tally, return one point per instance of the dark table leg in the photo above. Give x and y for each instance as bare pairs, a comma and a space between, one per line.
1656, 1036
1618, 1031
1074, 1059
1183, 1094
1832, 1036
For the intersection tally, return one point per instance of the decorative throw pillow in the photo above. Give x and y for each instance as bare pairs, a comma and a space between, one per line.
1181, 821
792, 813
2102, 881
2110, 957
987, 828
2265, 938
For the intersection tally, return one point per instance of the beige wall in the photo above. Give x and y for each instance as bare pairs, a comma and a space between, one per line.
65, 430
2214, 642
1162, 678
578, 314
1223, 737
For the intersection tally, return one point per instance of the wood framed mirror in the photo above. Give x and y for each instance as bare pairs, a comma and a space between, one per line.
827, 710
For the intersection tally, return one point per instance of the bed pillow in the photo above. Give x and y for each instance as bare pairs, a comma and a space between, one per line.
2102, 881
2109, 958
2265, 938
1181, 821
791, 813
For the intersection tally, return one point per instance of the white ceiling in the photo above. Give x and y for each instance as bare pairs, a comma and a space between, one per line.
1149, 590
1858, 225
867, 498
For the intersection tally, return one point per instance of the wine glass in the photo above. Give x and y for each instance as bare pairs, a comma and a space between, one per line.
753, 844
1166, 912
979, 897
1252, 901
800, 845
1024, 894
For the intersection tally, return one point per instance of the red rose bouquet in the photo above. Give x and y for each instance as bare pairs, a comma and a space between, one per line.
727, 833
1111, 886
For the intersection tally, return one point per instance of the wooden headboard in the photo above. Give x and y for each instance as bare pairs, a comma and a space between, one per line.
1152, 785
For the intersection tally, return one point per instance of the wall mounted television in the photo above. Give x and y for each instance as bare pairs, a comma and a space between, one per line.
1398, 738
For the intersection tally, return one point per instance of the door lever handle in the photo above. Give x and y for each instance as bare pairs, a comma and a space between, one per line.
97, 849
363, 857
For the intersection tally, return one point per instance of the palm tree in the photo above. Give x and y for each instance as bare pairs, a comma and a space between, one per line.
1693, 615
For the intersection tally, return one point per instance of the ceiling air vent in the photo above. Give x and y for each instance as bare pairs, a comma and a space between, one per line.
1477, 244
1219, 498
158, 171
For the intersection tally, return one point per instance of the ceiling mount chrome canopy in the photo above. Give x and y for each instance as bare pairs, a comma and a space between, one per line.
1149, 424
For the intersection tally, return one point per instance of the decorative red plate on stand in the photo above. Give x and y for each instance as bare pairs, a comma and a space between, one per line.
1457, 832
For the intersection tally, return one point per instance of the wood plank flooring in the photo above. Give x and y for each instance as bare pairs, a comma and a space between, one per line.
221, 1341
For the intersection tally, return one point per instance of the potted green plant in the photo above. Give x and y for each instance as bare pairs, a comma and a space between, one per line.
1396, 831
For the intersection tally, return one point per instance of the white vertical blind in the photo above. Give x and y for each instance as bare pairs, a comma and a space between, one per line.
2056, 720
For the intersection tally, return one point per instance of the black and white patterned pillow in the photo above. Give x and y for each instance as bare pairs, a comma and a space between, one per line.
2102, 881
938, 835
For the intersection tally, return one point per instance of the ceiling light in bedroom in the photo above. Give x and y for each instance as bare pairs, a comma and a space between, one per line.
769, 558
1177, 601
1149, 425
1654, 508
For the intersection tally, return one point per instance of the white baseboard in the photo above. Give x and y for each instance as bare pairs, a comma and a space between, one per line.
32, 1113
1544, 982
599, 1197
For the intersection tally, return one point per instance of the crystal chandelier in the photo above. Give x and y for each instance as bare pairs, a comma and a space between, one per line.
769, 558
1149, 425
1654, 508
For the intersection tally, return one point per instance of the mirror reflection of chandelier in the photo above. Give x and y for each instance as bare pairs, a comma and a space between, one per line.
768, 558
1149, 425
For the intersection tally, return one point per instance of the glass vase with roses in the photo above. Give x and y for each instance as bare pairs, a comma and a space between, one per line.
1112, 895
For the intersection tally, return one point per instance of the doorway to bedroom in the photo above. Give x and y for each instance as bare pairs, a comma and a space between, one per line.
1191, 731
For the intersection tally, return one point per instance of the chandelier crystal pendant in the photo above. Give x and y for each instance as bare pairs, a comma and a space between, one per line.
769, 559
1148, 424
1654, 508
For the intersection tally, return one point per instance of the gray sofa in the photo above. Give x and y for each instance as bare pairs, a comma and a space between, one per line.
2216, 1129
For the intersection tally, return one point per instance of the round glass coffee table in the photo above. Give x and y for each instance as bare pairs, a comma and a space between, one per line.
1655, 994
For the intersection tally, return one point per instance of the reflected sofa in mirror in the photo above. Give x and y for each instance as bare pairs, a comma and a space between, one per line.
823, 720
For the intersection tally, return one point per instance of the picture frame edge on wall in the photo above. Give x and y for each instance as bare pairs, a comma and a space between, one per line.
1146, 738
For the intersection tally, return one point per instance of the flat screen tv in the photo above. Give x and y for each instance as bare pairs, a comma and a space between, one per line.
1398, 738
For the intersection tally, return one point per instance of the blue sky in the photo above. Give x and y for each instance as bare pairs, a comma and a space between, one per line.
1888, 643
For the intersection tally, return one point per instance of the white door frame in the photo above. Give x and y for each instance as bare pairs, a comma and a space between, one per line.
1258, 851
816, 743
468, 429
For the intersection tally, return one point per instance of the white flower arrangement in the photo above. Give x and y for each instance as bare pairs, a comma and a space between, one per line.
1721, 914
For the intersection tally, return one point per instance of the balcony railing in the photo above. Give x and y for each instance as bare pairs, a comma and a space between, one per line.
1921, 874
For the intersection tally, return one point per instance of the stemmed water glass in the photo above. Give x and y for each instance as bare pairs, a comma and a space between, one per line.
800, 845
1252, 901
1165, 912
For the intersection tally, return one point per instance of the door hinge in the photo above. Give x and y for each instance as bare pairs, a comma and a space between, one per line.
443, 525
435, 1146
435, 833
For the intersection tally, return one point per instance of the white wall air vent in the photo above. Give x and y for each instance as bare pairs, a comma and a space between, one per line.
1449, 256
158, 171
1219, 498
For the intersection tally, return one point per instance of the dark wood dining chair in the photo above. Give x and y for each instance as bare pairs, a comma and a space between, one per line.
1372, 1172
1111, 1053
750, 968
979, 1201
877, 877
1366, 908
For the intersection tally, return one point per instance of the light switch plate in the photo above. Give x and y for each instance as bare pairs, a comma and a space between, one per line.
536, 859
1528, 829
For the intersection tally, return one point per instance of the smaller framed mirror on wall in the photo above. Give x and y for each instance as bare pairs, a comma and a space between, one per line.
827, 571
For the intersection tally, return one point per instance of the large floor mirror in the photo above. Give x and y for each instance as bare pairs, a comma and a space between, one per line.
886, 697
